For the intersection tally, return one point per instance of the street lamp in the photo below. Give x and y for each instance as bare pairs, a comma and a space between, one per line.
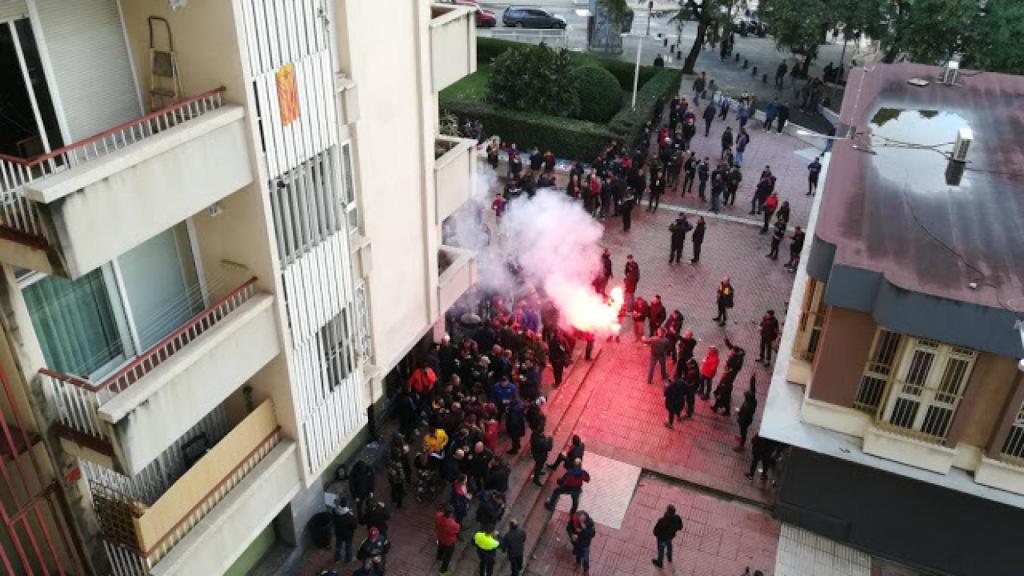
636, 72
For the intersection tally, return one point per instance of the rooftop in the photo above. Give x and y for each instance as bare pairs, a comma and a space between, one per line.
890, 206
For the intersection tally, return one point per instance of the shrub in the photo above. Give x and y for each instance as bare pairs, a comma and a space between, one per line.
599, 93
628, 124
487, 49
565, 137
533, 78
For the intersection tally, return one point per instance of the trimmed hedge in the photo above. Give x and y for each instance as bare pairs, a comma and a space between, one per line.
629, 123
565, 137
487, 49
600, 95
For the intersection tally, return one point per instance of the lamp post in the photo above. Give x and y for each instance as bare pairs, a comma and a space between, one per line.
636, 71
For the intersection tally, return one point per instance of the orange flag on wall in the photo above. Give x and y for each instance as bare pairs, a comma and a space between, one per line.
287, 94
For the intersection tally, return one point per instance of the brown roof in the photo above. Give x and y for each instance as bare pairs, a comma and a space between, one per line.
891, 210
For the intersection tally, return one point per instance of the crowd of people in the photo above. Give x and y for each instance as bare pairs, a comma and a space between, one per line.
475, 401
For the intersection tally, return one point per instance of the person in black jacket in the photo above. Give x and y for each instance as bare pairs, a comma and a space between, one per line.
664, 531
490, 510
361, 486
345, 524
377, 517
764, 451
745, 414
514, 545
723, 392
497, 476
679, 229
769, 332
515, 424
540, 447
575, 450
675, 400
724, 300
697, 239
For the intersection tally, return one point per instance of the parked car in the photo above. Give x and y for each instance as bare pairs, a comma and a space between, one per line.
529, 17
484, 18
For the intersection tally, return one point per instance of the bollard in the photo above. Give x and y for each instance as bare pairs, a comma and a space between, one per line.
753, 73
764, 78
679, 55
746, 63
737, 57
664, 41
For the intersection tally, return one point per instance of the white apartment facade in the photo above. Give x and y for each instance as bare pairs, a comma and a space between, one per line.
220, 229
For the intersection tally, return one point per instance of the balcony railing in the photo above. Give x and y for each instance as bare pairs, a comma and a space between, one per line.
78, 399
137, 535
20, 214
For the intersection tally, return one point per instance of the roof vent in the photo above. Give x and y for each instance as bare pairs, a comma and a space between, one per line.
951, 72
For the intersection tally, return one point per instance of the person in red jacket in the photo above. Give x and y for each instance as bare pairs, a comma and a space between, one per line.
770, 205
708, 369
447, 533
570, 483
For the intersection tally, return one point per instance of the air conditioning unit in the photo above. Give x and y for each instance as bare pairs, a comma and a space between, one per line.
964, 137
951, 72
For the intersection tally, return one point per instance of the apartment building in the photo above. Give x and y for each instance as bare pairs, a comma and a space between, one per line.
220, 230
899, 384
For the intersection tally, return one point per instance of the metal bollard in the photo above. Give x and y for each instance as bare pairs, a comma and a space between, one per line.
746, 63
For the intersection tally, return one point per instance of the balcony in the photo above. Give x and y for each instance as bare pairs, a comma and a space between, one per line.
207, 517
128, 419
456, 275
80, 206
454, 174
452, 44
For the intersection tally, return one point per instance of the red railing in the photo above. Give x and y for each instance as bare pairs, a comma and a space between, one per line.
17, 212
79, 399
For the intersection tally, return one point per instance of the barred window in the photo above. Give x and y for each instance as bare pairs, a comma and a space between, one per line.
336, 350
307, 206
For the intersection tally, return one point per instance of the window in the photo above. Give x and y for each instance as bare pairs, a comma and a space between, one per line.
364, 334
928, 387
89, 326
348, 181
877, 371
1013, 447
306, 206
812, 320
336, 350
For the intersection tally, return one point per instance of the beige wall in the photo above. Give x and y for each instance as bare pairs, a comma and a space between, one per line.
989, 389
844, 347
394, 138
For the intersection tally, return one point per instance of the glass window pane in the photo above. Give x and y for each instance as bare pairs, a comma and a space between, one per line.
161, 285
75, 323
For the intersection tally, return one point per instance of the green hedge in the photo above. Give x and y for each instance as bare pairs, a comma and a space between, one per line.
629, 123
565, 137
600, 95
487, 49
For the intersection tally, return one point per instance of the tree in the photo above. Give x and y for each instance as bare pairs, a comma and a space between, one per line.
997, 44
706, 14
533, 78
799, 26
929, 31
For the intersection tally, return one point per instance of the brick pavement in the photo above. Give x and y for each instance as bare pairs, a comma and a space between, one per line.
625, 414
719, 538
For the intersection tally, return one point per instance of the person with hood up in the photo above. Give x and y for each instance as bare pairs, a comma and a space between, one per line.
665, 531
570, 483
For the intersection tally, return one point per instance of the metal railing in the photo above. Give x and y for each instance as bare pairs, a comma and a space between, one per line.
555, 38
78, 399
1013, 447
19, 213
922, 412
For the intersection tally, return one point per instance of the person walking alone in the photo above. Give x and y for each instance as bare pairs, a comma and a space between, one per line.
745, 414
665, 530
813, 170
725, 299
769, 332
698, 239
678, 229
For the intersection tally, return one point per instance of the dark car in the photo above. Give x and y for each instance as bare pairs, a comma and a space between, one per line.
529, 17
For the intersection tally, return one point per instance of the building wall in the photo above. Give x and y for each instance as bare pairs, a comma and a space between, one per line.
395, 135
987, 392
845, 344
912, 522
